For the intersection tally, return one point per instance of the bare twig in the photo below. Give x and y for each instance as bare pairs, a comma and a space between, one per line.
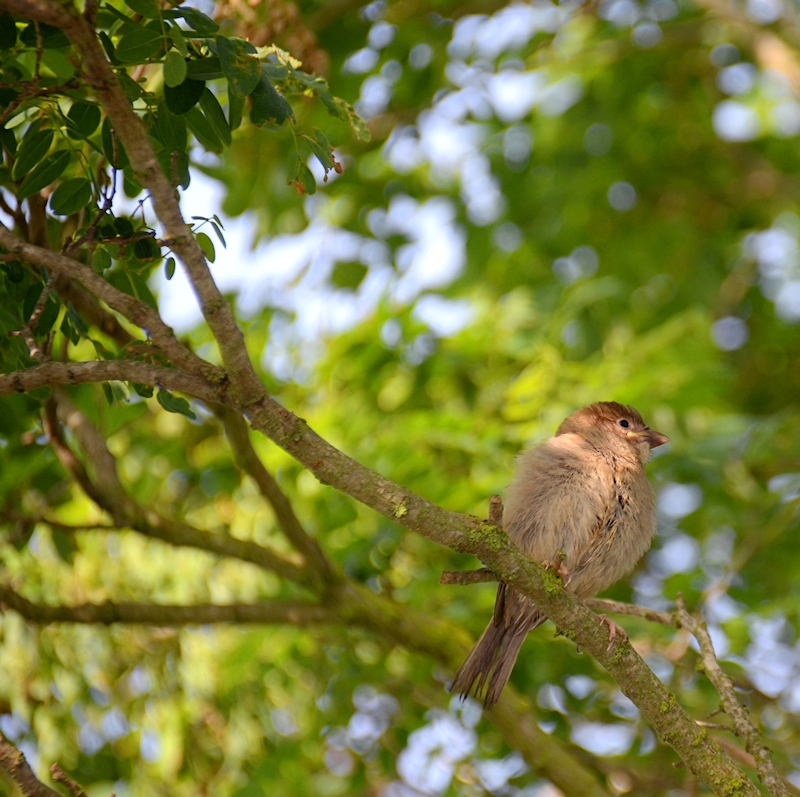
631, 610
742, 726
59, 776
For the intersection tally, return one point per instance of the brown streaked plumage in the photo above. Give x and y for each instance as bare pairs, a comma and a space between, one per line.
583, 493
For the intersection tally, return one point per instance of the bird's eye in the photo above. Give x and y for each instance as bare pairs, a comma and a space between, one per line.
623, 423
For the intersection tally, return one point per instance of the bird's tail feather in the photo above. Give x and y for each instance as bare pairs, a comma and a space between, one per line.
488, 666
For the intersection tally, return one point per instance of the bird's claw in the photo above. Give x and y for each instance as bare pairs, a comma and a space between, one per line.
613, 630
558, 566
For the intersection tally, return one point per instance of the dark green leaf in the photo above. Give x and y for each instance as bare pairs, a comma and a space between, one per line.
108, 46
267, 106
31, 297
174, 69
48, 317
52, 38
85, 118
204, 68
181, 98
169, 268
147, 250
218, 231
170, 128
198, 21
65, 545
47, 172
348, 276
31, 151
145, 391
112, 146
215, 116
207, 245
8, 32
203, 131
7, 138
235, 108
242, 70
174, 404
71, 196
68, 331
76, 320
137, 46
179, 40
147, 8
14, 271
123, 227
277, 74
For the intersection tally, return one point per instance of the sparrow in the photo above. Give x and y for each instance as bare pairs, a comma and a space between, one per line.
580, 503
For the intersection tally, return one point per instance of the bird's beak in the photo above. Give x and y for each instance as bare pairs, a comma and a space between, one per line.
649, 436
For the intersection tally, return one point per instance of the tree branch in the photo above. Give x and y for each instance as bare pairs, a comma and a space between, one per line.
13, 762
131, 308
108, 493
742, 725
55, 373
248, 461
298, 613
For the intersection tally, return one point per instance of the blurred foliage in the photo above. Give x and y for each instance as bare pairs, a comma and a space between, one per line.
559, 292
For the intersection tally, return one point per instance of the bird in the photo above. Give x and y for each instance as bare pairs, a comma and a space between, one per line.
579, 503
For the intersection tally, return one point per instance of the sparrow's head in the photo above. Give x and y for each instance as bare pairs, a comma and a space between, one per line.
616, 426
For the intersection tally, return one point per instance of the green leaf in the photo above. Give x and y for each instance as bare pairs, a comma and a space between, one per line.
169, 268
112, 146
321, 148
31, 297
204, 68
207, 245
131, 88
108, 46
147, 8
216, 118
175, 165
145, 391
179, 40
48, 317
147, 250
101, 260
170, 128
235, 108
47, 172
182, 98
218, 231
123, 227
267, 106
302, 178
31, 151
85, 118
197, 21
71, 196
138, 46
174, 404
203, 131
76, 320
68, 331
241, 68
65, 545
174, 69
52, 38
348, 276
8, 32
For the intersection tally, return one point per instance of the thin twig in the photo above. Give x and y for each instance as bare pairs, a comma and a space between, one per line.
742, 726
59, 776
